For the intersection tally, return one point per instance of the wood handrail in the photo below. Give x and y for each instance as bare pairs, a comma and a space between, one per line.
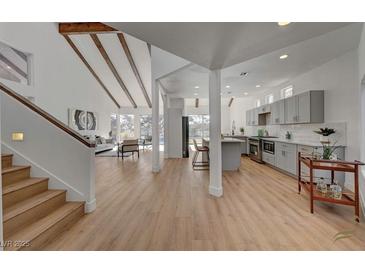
46, 115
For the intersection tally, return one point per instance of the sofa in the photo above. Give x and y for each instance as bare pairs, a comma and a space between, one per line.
103, 144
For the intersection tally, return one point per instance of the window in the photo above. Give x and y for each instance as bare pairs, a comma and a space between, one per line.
14, 65
258, 102
113, 126
269, 99
198, 127
286, 92
127, 126
145, 122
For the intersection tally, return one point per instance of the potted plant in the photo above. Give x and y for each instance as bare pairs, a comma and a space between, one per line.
325, 132
242, 130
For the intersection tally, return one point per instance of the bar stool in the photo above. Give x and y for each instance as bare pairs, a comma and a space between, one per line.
200, 165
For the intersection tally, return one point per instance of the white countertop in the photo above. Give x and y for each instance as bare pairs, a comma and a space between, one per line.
228, 140
298, 142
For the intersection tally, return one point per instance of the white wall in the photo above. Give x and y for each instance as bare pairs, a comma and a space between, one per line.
50, 151
238, 113
60, 79
361, 82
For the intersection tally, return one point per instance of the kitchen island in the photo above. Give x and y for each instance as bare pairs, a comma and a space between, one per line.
231, 152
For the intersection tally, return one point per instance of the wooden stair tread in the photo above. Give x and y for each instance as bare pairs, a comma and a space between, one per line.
22, 184
34, 230
29, 203
6, 155
7, 170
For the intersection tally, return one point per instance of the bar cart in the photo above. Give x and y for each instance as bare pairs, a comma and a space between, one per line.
309, 182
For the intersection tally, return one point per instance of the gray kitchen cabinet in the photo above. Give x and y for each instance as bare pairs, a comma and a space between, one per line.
268, 158
291, 109
286, 157
277, 113
244, 144
254, 117
303, 105
307, 107
263, 109
248, 117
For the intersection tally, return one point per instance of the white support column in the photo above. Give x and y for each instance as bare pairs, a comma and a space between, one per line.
215, 147
155, 127
166, 126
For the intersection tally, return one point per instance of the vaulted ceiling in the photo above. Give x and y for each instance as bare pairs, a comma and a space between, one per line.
120, 63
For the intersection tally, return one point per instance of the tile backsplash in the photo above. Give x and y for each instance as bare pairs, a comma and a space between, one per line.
304, 132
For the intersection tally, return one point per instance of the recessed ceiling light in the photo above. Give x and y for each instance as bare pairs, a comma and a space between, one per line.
284, 56
229, 92
196, 94
196, 87
282, 24
245, 93
258, 86
8, 67
228, 86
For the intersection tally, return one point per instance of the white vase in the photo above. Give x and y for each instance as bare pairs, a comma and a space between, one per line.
324, 139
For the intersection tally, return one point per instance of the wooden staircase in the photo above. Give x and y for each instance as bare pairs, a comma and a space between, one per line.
33, 214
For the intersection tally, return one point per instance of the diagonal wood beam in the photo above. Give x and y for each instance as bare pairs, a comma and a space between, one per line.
196, 102
13, 66
230, 102
79, 54
85, 28
20, 54
125, 47
9, 74
105, 55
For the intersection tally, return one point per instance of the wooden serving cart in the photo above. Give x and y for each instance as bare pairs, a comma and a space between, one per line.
309, 182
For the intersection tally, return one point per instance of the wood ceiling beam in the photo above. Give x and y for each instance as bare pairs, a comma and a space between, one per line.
97, 78
105, 55
20, 54
125, 47
196, 102
85, 28
14, 67
230, 102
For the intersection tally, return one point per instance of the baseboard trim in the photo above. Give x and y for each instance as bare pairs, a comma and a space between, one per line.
216, 191
90, 206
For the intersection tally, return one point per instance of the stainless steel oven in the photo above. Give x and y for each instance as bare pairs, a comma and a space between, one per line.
268, 146
255, 149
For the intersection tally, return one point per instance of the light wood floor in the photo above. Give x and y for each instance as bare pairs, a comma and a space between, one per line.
260, 210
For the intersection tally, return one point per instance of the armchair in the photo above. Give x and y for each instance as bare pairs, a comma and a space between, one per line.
128, 146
